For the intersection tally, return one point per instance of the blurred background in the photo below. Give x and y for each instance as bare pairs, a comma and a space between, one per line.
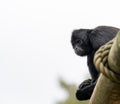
37, 62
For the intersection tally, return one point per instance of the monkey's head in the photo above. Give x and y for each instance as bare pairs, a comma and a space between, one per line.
80, 42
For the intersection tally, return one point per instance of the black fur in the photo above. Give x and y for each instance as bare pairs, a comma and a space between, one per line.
86, 42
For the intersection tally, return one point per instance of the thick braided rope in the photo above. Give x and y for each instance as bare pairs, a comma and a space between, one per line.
101, 62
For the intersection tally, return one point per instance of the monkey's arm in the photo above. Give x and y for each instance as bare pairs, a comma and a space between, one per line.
86, 88
93, 71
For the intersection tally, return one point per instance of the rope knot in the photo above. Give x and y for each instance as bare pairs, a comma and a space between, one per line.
101, 62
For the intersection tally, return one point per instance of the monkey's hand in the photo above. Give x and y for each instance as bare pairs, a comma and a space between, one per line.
85, 83
85, 89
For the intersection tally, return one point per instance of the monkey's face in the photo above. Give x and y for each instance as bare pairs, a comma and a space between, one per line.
80, 42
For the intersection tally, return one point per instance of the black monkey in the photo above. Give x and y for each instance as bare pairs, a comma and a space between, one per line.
86, 42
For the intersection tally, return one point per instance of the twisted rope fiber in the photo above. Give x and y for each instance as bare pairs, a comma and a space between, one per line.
101, 62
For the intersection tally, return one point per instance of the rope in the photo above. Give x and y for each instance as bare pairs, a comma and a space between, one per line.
101, 62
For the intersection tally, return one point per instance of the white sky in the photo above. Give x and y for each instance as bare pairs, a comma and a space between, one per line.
35, 47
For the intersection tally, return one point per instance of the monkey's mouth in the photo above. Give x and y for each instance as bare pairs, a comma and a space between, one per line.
80, 51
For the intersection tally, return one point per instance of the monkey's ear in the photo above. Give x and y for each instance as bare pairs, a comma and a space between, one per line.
89, 31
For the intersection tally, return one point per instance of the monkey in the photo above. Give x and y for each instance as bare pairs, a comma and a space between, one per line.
86, 42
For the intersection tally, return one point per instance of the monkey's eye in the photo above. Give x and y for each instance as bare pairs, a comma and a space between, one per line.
79, 41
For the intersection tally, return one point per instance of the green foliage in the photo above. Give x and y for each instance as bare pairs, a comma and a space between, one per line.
70, 89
